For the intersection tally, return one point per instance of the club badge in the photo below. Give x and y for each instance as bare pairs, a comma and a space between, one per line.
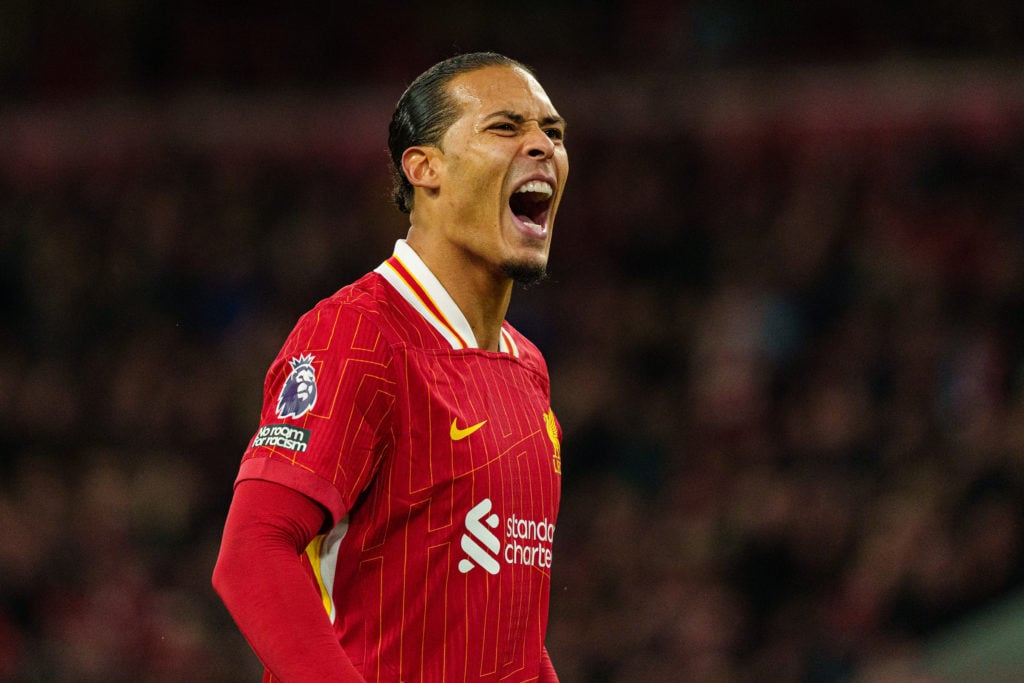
556, 455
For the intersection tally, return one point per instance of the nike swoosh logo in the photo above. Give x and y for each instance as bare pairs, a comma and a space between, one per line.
460, 434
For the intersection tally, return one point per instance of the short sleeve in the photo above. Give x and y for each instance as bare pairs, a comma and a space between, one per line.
326, 402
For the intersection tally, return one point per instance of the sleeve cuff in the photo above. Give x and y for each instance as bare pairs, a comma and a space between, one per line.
306, 483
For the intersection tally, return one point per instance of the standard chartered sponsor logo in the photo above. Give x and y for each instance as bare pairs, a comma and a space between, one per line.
282, 436
528, 541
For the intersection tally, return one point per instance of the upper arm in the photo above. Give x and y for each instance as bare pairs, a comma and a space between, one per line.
326, 401
264, 511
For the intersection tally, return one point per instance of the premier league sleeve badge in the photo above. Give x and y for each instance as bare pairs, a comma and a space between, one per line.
298, 395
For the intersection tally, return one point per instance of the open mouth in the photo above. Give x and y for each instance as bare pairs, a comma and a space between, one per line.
530, 204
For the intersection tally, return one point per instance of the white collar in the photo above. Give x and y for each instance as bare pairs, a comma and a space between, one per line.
412, 279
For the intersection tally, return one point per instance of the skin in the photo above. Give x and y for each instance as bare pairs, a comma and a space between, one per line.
462, 227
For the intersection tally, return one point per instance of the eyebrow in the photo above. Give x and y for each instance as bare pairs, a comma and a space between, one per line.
516, 117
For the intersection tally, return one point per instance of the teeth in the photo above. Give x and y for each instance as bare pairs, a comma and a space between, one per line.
538, 186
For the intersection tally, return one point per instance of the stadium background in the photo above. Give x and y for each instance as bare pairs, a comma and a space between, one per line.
785, 323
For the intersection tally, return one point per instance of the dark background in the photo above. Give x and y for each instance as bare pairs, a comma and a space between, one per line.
785, 323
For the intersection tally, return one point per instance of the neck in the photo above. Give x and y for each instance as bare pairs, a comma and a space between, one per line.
481, 294
487, 317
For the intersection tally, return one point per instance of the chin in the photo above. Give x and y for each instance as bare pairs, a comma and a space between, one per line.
526, 273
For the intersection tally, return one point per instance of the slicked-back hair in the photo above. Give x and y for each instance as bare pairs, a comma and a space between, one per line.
426, 111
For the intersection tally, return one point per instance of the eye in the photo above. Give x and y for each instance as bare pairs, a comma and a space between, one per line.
504, 127
555, 133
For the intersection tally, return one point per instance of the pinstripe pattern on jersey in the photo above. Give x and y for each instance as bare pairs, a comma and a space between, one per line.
392, 377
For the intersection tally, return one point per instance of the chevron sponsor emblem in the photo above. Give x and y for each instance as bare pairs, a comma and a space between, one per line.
478, 520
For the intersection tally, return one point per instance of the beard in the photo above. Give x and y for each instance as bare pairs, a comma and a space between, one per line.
525, 274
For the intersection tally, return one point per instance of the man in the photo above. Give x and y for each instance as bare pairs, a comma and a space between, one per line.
393, 515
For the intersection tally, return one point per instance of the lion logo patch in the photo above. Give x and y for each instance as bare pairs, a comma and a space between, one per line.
298, 395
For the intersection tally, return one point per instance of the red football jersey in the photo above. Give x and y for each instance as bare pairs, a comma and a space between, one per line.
440, 465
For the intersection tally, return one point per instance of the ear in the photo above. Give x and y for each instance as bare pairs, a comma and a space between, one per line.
422, 165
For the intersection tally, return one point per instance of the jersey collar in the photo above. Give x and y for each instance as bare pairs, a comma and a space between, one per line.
412, 279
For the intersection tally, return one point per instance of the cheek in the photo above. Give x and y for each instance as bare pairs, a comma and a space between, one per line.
562, 161
475, 183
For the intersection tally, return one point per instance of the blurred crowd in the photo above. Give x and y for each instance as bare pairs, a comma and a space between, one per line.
794, 387
788, 360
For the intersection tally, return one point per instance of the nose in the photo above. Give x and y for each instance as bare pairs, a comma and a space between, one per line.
538, 144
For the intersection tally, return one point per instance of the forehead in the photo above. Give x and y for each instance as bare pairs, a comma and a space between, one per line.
500, 88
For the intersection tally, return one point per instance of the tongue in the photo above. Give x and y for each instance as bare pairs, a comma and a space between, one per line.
528, 221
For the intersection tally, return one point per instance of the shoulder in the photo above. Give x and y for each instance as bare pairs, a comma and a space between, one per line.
355, 315
527, 352
365, 295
